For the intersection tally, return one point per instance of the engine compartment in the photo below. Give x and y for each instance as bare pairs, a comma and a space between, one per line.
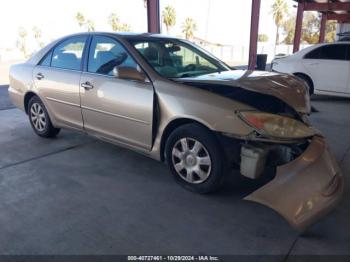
263, 102
253, 158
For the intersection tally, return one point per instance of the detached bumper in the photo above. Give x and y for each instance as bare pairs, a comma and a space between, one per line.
305, 189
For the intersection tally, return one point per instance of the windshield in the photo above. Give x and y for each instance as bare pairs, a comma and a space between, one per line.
173, 58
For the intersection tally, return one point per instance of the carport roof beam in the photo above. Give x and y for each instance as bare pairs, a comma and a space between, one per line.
325, 7
335, 10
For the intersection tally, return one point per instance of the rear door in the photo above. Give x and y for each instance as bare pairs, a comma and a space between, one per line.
57, 80
329, 67
118, 109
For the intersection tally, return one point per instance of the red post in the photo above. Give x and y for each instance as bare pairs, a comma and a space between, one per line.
254, 30
322, 28
153, 16
298, 26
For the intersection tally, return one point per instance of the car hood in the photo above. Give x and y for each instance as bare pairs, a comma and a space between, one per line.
284, 87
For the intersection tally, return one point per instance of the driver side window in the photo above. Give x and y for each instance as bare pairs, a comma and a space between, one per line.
106, 54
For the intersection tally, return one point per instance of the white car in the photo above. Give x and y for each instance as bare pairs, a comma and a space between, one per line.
324, 67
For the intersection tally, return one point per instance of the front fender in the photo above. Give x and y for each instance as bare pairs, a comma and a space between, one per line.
216, 112
176, 101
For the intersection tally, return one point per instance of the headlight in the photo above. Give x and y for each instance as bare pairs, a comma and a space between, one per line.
275, 125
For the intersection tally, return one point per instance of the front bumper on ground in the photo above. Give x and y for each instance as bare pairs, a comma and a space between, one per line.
305, 189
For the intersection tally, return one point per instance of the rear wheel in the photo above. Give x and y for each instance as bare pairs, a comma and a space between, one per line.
195, 158
39, 119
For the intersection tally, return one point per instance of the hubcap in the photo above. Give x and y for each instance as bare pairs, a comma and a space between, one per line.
191, 160
37, 116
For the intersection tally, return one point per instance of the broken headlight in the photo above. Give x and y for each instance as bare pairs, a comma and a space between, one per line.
275, 125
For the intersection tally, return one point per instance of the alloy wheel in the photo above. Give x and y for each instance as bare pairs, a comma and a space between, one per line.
38, 117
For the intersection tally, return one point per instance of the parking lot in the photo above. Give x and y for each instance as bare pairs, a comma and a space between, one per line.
78, 195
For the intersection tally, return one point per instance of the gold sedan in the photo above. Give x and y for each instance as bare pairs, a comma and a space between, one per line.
175, 102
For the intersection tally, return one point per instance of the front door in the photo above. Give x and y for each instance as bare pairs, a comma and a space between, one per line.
115, 108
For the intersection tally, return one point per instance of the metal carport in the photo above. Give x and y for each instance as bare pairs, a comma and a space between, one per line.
330, 9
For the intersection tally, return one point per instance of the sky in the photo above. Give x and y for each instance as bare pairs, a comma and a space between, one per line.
220, 21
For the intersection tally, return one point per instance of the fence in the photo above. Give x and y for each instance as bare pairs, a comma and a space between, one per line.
232, 54
238, 54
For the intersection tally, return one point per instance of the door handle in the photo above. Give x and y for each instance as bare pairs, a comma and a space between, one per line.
39, 76
315, 63
87, 85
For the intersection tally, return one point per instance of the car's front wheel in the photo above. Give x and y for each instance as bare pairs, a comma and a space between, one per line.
39, 119
307, 81
195, 158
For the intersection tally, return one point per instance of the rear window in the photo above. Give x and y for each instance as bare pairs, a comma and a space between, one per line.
68, 54
46, 61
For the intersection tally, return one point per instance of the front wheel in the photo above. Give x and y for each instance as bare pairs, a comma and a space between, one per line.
195, 158
308, 83
39, 119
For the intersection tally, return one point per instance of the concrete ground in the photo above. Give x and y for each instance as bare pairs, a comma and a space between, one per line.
77, 195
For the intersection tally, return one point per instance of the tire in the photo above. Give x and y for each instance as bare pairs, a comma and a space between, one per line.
40, 119
195, 158
307, 81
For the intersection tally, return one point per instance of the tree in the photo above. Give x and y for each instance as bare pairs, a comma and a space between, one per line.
288, 27
188, 28
21, 41
310, 29
310, 32
169, 17
331, 28
114, 21
263, 38
279, 11
88, 24
80, 18
38, 36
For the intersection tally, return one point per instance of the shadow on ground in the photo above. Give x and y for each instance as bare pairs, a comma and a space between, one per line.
5, 102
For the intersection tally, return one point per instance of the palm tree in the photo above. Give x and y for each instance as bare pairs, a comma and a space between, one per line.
38, 35
279, 11
169, 17
188, 27
80, 19
114, 21
89, 24
21, 42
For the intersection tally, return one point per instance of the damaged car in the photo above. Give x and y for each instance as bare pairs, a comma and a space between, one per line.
175, 102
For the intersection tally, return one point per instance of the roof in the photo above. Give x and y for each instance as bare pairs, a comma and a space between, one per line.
334, 9
122, 35
133, 35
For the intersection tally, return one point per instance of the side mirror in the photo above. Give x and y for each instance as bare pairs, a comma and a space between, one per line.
131, 73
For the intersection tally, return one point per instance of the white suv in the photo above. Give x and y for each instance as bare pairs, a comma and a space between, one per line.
324, 67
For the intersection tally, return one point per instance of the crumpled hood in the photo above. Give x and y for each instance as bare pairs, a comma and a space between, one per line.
284, 87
